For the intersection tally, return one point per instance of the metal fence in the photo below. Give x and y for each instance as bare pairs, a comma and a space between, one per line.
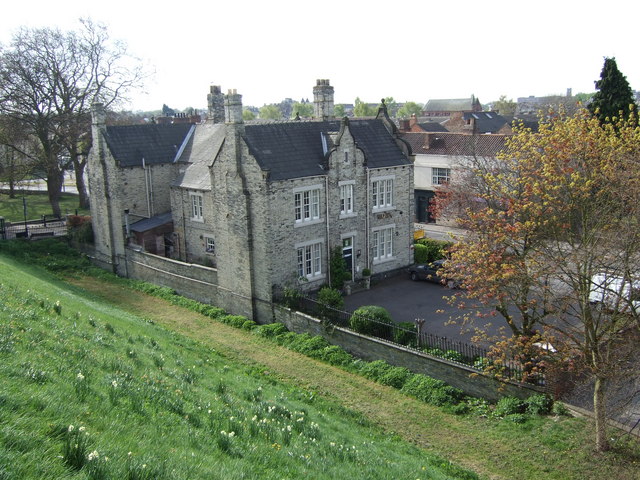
471, 356
47, 226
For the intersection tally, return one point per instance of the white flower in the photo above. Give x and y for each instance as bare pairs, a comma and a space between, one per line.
209, 411
114, 384
80, 376
93, 455
232, 434
81, 429
70, 429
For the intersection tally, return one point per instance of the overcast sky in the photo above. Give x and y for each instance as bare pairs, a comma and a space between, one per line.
412, 51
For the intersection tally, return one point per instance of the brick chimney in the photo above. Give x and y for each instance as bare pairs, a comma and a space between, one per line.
215, 100
323, 100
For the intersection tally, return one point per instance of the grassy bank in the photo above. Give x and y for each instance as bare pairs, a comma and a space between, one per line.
550, 448
92, 391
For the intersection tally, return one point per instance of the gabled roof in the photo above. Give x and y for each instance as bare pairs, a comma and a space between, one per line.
455, 144
486, 122
296, 149
157, 144
450, 105
198, 155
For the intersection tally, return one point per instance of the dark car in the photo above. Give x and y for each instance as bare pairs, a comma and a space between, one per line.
429, 271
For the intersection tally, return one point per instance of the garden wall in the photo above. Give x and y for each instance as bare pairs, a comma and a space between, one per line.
466, 379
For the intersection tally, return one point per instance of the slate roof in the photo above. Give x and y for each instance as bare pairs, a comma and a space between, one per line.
155, 143
147, 224
455, 144
295, 149
200, 151
486, 122
432, 127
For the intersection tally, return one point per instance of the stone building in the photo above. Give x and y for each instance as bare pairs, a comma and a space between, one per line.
263, 204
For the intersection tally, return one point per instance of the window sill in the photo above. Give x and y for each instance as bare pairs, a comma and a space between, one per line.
348, 215
378, 261
307, 222
382, 209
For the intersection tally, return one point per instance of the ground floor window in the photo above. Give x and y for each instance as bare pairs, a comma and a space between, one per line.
310, 260
382, 243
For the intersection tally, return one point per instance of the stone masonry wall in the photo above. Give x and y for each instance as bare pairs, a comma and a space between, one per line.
456, 375
136, 185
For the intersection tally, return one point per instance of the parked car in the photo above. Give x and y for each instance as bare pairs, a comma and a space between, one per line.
615, 293
429, 271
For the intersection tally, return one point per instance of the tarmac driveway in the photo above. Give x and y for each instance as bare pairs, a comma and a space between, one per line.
407, 300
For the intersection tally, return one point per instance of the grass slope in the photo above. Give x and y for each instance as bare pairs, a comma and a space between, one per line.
549, 448
89, 390
12, 209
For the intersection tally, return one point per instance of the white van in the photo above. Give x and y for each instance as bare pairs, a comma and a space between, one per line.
614, 293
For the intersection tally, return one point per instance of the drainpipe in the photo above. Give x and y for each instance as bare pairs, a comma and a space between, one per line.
326, 221
146, 187
366, 233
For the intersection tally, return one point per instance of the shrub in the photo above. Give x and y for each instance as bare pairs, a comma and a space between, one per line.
432, 391
559, 409
395, 377
236, 321
270, 330
427, 250
338, 269
538, 404
509, 406
334, 355
372, 320
80, 228
454, 356
375, 370
405, 334
329, 300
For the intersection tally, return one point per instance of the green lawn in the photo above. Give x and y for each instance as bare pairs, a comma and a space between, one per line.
37, 205
88, 390
182, 378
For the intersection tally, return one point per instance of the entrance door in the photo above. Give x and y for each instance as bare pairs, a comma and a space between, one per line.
347, 253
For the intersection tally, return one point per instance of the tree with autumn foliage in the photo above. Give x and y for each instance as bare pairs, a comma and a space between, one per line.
553, 212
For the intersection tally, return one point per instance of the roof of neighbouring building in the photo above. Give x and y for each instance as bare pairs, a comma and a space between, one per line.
157, 144
432, 127
486, 122
295, 149
456, 144
450, 105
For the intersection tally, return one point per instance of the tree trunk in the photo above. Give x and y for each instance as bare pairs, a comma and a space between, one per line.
83, 196
600, 412
54, 188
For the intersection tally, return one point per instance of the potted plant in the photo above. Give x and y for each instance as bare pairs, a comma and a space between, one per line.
366, 276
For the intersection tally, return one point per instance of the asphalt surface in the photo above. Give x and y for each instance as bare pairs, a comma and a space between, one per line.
406, 301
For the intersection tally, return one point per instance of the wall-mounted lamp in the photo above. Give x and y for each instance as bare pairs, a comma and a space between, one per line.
358, 254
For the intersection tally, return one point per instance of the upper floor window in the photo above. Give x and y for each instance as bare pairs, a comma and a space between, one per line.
196, 207
440, 176
307, 204
346, 198
382, 193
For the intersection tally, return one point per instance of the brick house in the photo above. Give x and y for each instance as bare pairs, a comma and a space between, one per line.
264, 204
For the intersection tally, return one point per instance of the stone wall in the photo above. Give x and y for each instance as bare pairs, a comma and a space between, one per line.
145, 191
466, 379
192, 281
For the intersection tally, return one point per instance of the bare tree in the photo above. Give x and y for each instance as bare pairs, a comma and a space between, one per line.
48, 80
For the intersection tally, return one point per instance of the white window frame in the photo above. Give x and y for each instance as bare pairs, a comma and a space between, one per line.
382, 243
382, 193
440, 175
309, 259
347, 200
306, 204
210, 245
197, 206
